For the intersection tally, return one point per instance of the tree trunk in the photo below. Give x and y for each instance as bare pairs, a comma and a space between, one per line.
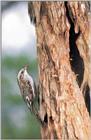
64, 62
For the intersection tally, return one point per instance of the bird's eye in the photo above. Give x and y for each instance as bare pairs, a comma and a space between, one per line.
22, 72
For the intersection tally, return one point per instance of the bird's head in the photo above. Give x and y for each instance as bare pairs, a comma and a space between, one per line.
22, 72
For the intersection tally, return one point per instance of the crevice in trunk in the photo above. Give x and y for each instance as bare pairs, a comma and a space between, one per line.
76, 61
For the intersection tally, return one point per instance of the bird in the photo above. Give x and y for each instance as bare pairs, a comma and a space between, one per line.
28, 90
27, 86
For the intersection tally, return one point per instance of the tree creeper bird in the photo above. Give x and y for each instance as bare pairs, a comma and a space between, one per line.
28, 90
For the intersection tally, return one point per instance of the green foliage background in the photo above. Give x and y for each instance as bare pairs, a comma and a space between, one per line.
17, 121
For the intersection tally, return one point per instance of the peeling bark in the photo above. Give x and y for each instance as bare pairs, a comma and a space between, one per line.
63, 55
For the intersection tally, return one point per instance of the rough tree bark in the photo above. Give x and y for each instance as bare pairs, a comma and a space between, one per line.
63, 42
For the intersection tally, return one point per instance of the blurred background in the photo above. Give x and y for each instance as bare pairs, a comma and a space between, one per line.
18, 49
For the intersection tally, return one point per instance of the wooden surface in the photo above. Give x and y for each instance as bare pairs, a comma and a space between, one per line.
63, 55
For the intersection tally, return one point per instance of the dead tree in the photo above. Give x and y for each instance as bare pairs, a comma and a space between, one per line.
63, 30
